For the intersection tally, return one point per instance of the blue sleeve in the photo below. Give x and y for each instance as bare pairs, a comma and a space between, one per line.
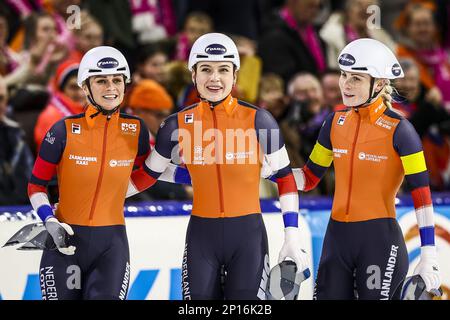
52, 148
144, 140
167, 137
406, 142
325, 140
267, 132
182, 176
54, 142
406, 139
325, 132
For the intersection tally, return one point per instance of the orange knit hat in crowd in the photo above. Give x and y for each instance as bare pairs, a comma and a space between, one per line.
150, 95
65, 69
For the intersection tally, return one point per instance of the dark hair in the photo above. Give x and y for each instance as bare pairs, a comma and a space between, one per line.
3, 14
149, 51
329, 71
199, 16
30, 24
72, 73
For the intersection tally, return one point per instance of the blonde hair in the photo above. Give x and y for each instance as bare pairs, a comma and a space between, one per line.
386, 93
271, 82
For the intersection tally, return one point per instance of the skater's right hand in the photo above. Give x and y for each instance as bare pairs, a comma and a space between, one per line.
60, 233
292, 249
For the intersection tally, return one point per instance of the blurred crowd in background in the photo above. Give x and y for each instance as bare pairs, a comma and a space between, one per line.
288, 51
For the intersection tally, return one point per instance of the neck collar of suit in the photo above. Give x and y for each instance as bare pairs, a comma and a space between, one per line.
371, 111
228, 104
95, 117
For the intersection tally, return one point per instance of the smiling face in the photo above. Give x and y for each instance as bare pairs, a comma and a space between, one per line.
214, 80
355, 88
107, 91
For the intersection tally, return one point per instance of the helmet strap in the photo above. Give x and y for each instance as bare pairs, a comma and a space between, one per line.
96, 105
211, 103
372, 95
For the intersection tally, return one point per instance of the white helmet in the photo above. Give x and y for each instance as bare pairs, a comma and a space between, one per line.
214, 47
372, 57
103, 60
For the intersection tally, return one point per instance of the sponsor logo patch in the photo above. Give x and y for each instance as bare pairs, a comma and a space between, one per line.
371, 157
121, 163
238, 155
384, 123
50, 138
338, 152
107, 63
189, 118
76, 128
347, 59
129, 128
341, 120
198, 155
81, 160
396, 70
215, 49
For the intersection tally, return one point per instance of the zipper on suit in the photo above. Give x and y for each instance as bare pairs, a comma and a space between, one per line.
352, 156
219, 174
102, 167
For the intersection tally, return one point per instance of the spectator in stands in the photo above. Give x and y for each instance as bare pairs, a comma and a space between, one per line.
9, 60
443, 21
116, 20
307, 114
427, 118
178, 81
306, 95
16, 160
250, 72
41, 55
16, 12
290, 42
412, 101
153, 21
43, 52
150, 101
421, 43
196, 24
151, 64
353, 23
179, 85
330, 87
436, 148
273, 98
88, 36
64, 19
67, 99
234, 16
